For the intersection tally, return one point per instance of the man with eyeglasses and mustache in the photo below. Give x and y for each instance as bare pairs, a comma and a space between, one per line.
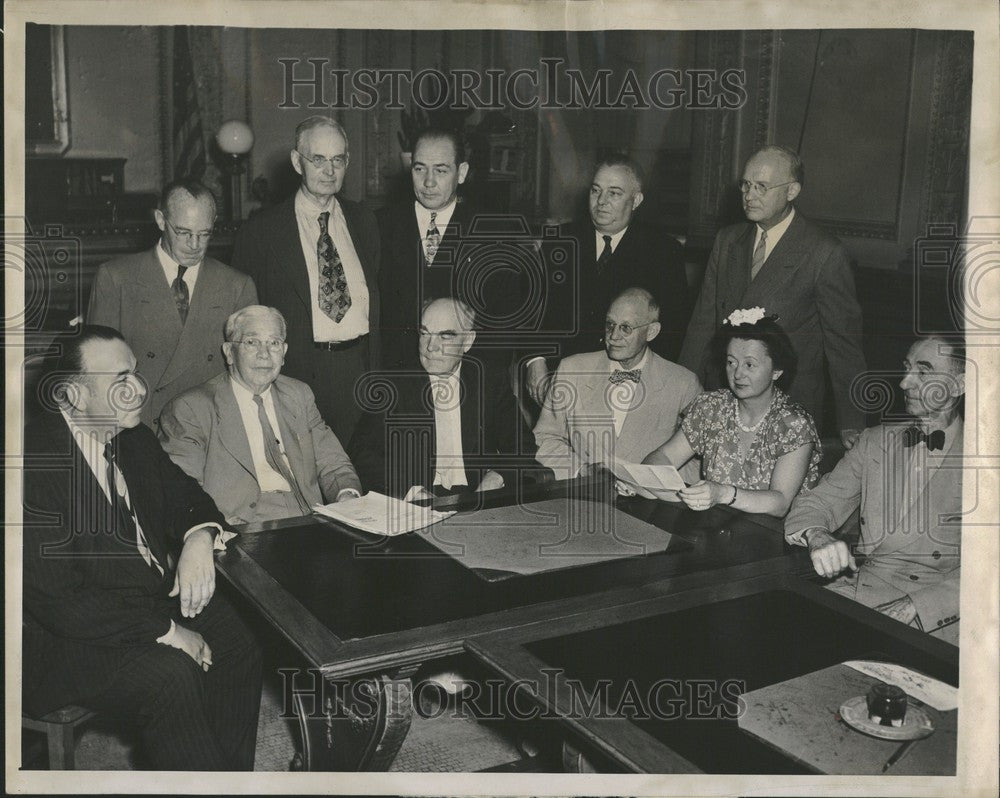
315, 258
171, 302
254, 439
784, 262
622, 402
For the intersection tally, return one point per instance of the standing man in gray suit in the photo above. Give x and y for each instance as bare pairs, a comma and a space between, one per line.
171, 302
315, 258
783, 262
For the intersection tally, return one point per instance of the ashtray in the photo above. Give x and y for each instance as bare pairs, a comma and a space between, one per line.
916, 724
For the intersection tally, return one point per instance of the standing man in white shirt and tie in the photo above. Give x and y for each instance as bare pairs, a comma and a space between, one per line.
448, 427
780, 260
171, 302
315, 258
623, 401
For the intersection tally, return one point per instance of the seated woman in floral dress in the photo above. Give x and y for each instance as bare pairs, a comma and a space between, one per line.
758, 448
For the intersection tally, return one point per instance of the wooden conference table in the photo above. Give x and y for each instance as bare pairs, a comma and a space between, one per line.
725, 599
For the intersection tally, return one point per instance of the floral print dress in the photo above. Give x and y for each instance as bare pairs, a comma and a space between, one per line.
711, 429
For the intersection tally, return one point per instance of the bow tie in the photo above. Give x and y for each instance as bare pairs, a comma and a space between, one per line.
619, 376
914, 435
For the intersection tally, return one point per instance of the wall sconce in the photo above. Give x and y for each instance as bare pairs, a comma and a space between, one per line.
235, 140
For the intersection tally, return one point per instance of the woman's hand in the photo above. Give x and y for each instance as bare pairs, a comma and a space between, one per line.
704, 494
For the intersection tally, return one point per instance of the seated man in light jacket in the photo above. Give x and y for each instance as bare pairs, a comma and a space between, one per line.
907, 480
255, 439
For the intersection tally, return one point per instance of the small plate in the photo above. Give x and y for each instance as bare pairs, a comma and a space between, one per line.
916, 724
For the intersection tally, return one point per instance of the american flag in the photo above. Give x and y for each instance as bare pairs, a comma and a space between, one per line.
189, 140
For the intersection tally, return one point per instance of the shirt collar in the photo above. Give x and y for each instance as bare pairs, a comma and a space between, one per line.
615, 239
245, 394
441, 219
170, 266
306, 205
776, 232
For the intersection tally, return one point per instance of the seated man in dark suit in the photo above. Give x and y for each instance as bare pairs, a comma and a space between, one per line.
120, 609
614, 252
253, 438
450, 426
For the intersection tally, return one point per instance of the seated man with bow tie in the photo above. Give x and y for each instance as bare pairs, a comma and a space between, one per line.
121, 614
254, 438
907, 481
623, 402
450, 426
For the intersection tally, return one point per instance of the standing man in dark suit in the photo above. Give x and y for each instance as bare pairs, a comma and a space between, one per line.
616, 252
450, 427
171, 302
786, 264
120, 609
315, 258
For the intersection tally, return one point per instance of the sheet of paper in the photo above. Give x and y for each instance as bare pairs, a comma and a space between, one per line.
937, 694
649, 477
381, 515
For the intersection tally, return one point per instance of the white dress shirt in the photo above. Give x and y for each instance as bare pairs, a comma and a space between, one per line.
449, 462
170, 268
355, 321
773, 235
267, 477
615, 240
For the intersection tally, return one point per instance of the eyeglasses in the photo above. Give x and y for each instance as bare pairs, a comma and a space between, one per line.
189, 237
759, 188
625, 329
271, 344
337, 161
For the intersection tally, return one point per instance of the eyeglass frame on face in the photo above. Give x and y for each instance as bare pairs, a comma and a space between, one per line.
624, 328
271, 344
319, 161
745, 186
189, 236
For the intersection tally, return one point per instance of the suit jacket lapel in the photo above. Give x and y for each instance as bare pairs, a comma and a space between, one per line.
472, 411
157, 300
207, 289
232, 433
287, 424
738, 271
288, 246
786, 256
637, 426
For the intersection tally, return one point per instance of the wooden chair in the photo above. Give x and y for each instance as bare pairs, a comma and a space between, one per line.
59, 728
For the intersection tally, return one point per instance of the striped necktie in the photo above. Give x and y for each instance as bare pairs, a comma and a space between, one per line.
275, 458
124, 514
759, 255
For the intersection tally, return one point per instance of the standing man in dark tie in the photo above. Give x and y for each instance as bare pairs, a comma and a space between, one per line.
783, 262
315, 258
172, 301
120, 609
616, 251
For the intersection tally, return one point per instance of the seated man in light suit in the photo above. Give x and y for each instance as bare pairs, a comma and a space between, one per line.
907, 480
253, 438
449, 427
622, 402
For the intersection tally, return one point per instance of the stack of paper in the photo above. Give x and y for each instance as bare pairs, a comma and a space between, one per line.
650, 481
381, 515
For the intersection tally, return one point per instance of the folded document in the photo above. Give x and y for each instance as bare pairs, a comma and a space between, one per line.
652, 481
381, 515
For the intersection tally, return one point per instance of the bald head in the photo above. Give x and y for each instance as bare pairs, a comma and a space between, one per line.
631, 323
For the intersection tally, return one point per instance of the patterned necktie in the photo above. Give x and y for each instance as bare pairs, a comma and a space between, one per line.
274, 456
606, 253
432, 240
914, 435
619, 376
181, 294
124, 516
334, 296
759, 254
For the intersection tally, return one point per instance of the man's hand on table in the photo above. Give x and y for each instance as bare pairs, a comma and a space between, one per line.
829, 555
195, 578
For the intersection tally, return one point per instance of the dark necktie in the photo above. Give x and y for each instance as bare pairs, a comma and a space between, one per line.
914, 435
602, 261
432, 239
759, 255
181, 294
274, 456
619, 376
334, 296
124, 516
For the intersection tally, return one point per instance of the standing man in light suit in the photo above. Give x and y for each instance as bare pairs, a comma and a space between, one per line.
315, 258
253, 438
781, 261
907, 480
171, 302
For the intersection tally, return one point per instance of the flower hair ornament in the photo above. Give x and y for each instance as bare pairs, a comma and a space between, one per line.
748, 316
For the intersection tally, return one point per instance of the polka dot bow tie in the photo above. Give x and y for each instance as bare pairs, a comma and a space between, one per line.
619, 376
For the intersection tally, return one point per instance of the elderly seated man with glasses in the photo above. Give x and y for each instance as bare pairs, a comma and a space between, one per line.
622, 402
254, 439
